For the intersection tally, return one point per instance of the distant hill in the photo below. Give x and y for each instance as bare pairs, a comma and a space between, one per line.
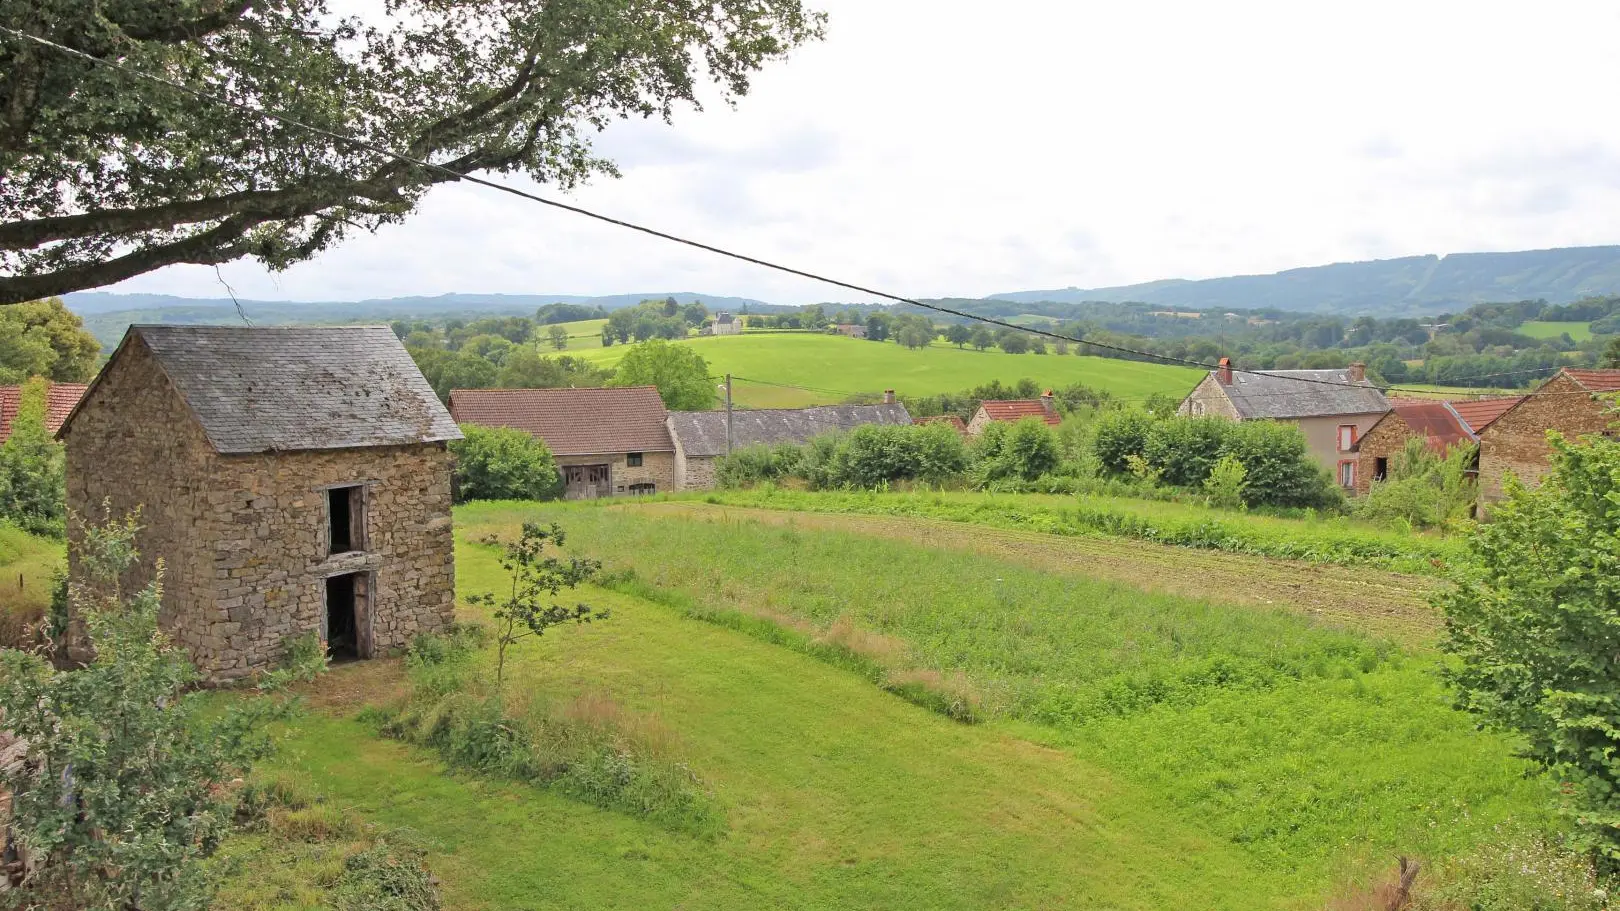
1409, 286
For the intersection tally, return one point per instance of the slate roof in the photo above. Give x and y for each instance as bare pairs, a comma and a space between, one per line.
291, 388
1479, 413
59, 402
1300, 394
703, 433
1017, 409
573, 421
1595, 380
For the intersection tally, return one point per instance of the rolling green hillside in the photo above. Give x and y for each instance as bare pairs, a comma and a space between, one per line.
837, 367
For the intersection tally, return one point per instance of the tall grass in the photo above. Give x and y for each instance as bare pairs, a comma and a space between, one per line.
1319, 540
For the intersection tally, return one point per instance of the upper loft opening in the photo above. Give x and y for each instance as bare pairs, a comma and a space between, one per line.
346, 515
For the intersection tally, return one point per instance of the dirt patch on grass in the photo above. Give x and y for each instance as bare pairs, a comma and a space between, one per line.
347, 688
1376, 601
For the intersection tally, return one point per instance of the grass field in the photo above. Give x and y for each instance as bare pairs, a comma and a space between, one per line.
583, 335
1429, 390
1579, 332
836, 367
26, 566
1137, 748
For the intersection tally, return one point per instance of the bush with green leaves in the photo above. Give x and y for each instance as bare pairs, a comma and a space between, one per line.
756, 464
1185, 449
1118, 435
1531, 624
1423, 489
1278, 469
33, 491
1226, 483
876, 455
123, 790
502, 463
1022, 451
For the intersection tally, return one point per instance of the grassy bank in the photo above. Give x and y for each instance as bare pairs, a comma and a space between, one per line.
1323, 540
27, 565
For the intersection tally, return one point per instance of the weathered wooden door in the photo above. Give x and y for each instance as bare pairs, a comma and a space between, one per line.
586, 482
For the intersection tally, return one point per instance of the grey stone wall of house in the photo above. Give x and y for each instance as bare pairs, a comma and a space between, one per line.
1207, 398
1516, 442
244, 537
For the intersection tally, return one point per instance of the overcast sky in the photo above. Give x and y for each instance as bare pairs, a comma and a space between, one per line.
947, 148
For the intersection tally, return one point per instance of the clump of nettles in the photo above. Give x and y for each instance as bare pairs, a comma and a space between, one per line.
124, 786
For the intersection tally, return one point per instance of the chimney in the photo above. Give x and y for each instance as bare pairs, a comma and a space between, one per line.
1224, 374
888, 396
1047, 403
1357, 372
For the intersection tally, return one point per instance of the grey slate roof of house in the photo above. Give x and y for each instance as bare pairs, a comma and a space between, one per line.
1281, 394
702, 434
277, 388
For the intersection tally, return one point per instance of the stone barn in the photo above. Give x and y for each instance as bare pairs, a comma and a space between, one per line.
1575, 403
292, 480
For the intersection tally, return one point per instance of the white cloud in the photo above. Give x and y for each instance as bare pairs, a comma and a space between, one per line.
953, 148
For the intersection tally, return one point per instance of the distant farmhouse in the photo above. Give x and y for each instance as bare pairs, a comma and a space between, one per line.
1571, 403
1011, 411
608, 442
852, 330
293, 481
725, 324
1441, 425
59, 401
1333, 407
700, 436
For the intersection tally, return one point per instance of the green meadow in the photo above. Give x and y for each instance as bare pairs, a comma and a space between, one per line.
1578, 332
836, 367
895, 718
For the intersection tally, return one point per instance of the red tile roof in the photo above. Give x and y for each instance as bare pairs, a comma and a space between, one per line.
1018, 409
954, 422
1433, 420
1479, 413
1595, 380
59, 402
572, 421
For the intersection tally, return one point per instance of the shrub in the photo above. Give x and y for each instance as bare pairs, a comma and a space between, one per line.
757, 464
1278, 469
33, 492
501, 463
1225, 483
1423, 489
1185, 450
1023, 451
1514, 872
1531, 620
875, 455
1118, 435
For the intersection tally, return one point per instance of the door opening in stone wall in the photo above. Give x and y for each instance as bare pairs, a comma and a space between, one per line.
346, 625
346, 519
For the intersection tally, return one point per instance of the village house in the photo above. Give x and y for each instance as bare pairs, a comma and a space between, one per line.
725, 324
852, 330
292, 481
700, 436
59, 401
1575, 403
1011, 411
1332, 407
1440, 424
608, 442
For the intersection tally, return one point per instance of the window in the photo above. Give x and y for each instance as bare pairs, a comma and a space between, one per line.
633, 460
346, 519
1380, 469
1347, 437
1347, 473
642, 490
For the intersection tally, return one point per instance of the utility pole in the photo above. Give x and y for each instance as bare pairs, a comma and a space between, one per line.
728, 414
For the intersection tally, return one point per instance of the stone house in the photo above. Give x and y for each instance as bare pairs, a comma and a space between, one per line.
851, 330
59, 401
292, 480
1572, 402
1333, 408
700, 436
1440, 424
1011, 411
725, 324
608, 442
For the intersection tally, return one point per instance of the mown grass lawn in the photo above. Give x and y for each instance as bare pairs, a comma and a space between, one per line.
841, 365
1578, 332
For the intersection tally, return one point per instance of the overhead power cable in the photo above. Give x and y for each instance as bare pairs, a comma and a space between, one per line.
369, 146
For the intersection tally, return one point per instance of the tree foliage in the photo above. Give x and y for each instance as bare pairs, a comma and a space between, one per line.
1532, 623
529, 607
159, 177
681, 374
503, 463
1023, 451
45, 338
33, 493
123, 790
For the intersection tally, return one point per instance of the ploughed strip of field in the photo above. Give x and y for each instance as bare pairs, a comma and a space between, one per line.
1377, 601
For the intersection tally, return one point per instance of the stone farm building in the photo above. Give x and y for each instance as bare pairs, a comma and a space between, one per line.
1571, 403
1011, 411
293, 481
700, 436
1333, 407
1440, 424
59, 401
608, 442
725, 324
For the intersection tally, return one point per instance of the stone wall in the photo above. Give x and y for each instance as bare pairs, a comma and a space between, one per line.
656, 468
697, 473
1208, 399
1517, 441
243, 538
1384, 440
